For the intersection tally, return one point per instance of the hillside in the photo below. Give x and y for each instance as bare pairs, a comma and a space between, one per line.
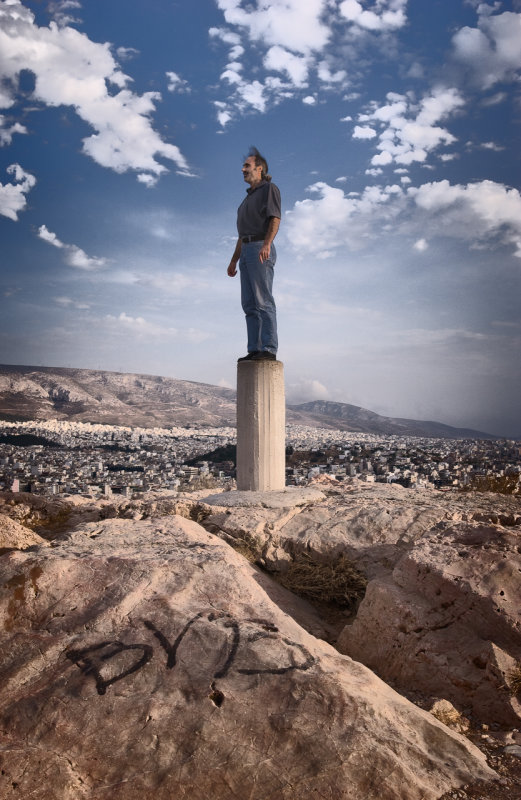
114, 398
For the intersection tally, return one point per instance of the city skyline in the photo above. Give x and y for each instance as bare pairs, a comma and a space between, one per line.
392, 130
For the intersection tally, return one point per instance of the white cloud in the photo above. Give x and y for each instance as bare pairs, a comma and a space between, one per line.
328, 77
71, 70
74, 255
408, 131
492, 51
60, 10
224, 384
364, 132
281, 60
147, 179
13, 195
7, 131
68, 302
226, 36
385, 14
483, 214
305, 390
291, 24
480, 211
176, 83
497, 148
126, 53
300, 40
144, 329
253, 95
319, 225
49, 237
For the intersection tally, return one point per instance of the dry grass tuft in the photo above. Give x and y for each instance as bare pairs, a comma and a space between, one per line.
247, 545
514, 680
337, 582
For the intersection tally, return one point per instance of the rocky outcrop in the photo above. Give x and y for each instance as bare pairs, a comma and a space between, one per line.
16, 536
148, 659
441, 613
448, 620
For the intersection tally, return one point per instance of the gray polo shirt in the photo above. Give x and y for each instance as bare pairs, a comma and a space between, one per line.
260, 203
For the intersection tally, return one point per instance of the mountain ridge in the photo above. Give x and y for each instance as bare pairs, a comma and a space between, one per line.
142, 400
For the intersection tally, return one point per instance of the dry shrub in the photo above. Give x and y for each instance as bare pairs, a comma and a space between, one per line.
514, 680
247, 545
450, 716
337, 582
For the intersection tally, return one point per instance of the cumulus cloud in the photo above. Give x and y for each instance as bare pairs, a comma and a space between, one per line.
364, 132
74, 255
291, 24
492, 51
483, 214
126, 53
482, 211
7, 130
71, 70
297, 41
330, 218
281, 60
176, 83
13, 195
408, 130
305, 390
144, 329
385, 14
61, 11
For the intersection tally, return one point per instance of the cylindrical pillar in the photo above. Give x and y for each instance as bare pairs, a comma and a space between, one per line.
261, 426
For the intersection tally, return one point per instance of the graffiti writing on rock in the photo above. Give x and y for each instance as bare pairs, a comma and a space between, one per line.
111, 661
90, 660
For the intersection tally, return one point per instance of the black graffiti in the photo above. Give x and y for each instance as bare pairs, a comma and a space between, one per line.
89, 665
91, 659
306, 664
171, 649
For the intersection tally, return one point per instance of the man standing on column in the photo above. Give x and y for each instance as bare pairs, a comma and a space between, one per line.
258, 220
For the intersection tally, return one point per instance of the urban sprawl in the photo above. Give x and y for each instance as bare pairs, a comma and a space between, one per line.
53, 457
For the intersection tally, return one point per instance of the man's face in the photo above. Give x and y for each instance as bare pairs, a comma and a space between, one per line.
251, 173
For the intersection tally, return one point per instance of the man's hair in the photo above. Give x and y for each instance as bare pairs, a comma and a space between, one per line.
260, 161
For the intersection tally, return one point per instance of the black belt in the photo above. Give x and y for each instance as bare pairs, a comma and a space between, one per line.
247, 239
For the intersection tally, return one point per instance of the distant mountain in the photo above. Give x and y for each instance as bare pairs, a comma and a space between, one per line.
115, 398
343, 416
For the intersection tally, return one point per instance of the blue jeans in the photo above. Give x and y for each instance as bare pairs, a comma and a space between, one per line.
257, 298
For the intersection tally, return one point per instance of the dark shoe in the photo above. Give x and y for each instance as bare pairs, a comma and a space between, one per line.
264, 355
250, 356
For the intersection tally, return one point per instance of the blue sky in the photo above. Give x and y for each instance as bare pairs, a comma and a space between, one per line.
392, 128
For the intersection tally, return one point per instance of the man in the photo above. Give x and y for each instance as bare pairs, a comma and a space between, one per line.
258, 220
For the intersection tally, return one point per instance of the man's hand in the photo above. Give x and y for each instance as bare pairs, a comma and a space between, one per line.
265, 250
264, 253
232, 269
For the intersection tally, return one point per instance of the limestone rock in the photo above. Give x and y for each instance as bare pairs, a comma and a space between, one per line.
448, 620
146, 659
12, 534
446, 713
372, 525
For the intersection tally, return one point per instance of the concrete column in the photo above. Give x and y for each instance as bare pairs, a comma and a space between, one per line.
261, 426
